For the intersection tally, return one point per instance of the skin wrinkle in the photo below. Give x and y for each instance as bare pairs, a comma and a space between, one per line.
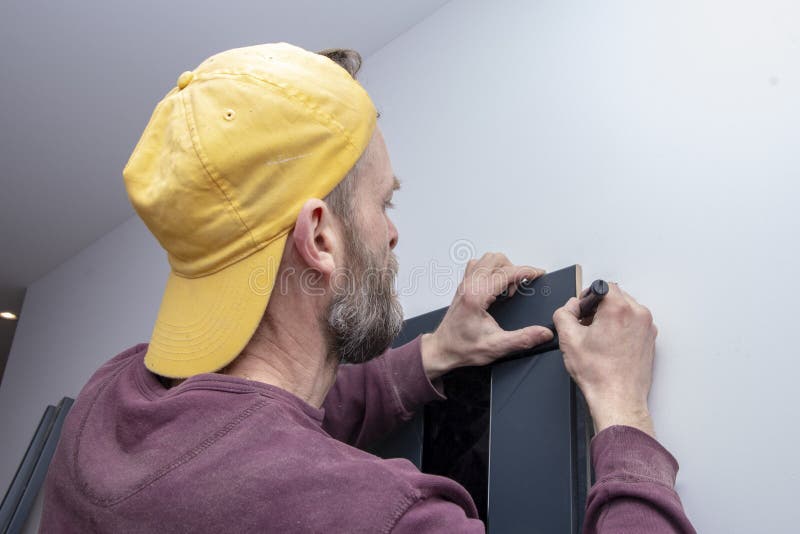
249, 369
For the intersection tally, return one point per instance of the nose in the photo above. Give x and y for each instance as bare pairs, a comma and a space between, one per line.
393, 235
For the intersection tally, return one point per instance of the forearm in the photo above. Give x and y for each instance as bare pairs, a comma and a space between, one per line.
369, 400
609, 410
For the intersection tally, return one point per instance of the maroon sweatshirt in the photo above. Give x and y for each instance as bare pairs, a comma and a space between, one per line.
224, 454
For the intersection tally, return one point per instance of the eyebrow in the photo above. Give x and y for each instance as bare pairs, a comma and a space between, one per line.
396, 183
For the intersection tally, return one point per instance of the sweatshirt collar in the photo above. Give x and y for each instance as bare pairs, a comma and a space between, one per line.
154, 390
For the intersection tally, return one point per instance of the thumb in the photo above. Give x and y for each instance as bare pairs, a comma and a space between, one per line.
524, 338
567, 318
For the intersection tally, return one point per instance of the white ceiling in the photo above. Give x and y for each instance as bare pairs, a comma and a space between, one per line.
80, 79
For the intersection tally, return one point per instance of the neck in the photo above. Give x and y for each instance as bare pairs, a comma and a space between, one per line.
286, 353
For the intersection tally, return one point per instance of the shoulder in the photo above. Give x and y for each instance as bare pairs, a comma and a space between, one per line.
124, 358
107, 372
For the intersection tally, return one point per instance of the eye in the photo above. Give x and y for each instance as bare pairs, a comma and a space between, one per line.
388, 205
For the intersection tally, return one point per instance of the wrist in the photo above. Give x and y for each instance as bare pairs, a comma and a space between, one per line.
637, 417
434, 360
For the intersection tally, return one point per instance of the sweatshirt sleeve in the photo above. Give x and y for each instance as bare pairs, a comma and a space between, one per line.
634, 489
369, 400
437, 515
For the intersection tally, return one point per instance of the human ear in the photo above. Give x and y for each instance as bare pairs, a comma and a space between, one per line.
315, 236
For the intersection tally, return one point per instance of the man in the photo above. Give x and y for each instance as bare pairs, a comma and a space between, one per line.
265, 178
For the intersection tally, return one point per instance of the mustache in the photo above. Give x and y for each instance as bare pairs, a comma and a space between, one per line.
393, 264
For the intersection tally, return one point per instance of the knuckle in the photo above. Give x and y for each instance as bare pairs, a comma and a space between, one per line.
643, 313
494, 346
470, 299
522, 340
616, 308
564, 337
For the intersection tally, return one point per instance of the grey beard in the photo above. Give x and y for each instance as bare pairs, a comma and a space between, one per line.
365, 318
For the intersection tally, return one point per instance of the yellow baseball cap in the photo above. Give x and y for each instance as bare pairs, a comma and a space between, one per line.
219, 175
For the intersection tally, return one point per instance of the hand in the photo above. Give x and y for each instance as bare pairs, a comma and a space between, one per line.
610, 357
468, 335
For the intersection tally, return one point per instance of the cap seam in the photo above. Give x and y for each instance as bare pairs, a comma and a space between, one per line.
227, 286
318, 115
207, 165
238, 258
134, 154
322, 118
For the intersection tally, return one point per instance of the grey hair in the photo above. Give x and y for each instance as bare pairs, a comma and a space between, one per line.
340, 200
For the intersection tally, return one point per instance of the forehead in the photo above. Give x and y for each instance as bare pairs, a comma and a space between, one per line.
376, 167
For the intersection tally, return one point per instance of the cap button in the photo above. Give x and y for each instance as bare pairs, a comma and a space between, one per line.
185, 78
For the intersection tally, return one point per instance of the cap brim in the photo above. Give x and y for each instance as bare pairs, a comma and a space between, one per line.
205, 322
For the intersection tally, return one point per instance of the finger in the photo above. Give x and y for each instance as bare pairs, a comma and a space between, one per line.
472, 265
586, 320
625, 298
628, 298
613, 299
510, 341
567, 318
516, 282
498, 259
538, 271
507, 278
639, 309
489, 260
617, 303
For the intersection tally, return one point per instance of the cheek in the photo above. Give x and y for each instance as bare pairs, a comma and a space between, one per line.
374, 226
380, 230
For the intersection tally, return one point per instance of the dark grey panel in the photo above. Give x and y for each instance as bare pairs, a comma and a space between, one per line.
514, 434
406, 442
530, 485
537, 459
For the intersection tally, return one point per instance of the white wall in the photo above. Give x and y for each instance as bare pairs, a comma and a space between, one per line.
656, 143
92, 307
652, 142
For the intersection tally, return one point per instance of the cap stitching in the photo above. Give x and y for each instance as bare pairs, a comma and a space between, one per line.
225, 288
237, 258
212, 173
323, 118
